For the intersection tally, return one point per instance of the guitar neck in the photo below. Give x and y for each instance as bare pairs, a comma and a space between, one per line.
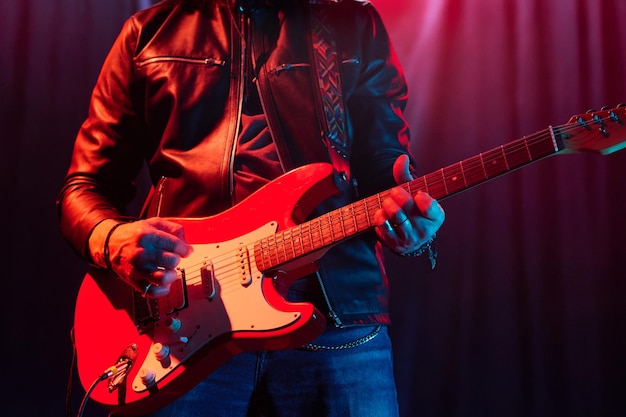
343, 223
487, 165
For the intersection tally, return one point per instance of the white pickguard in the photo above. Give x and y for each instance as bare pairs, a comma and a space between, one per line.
234, 302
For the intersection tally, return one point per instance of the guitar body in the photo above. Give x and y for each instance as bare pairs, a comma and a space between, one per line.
221, 305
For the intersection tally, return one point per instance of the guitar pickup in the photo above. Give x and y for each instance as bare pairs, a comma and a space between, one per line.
243, 260
207, 273
177, 299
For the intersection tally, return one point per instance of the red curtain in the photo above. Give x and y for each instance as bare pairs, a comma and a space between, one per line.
524, 314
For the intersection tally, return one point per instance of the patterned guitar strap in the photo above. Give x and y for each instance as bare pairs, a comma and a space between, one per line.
327, 77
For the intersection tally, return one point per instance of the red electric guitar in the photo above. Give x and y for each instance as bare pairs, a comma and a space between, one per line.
230, 294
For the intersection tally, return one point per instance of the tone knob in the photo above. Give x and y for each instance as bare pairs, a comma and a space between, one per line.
160, 351
147, 376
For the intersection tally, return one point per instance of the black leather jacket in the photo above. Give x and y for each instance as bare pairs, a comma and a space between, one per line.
170, 96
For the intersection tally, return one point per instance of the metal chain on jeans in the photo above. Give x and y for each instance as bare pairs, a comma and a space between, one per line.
358, 342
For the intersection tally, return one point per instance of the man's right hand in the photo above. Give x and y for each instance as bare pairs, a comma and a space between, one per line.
143, 253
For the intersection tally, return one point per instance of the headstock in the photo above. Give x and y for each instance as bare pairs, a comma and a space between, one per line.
601, 131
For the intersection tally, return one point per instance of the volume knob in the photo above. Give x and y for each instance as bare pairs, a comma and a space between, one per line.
173, 324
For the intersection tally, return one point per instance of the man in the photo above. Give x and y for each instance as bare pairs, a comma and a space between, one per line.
218, 99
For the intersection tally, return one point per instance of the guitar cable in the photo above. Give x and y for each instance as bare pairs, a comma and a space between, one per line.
70, 383
121, 366
83, 403
70, 379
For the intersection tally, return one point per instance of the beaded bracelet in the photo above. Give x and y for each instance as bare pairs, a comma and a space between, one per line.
105, 250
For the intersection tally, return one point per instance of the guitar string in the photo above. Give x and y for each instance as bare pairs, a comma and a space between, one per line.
313, 234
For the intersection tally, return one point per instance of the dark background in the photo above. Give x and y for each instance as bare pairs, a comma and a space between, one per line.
524, 314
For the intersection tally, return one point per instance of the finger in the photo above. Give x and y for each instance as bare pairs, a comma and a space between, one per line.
398, 207
383, 225
154, 259
429, 207
402, 224
167, 226
164, 241
172, 236
164, 277
157, 283
387, 227
402, 169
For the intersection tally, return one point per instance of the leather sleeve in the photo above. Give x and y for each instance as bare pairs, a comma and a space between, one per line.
105, 159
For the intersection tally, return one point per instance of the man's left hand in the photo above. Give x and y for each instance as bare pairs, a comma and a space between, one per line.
405, 222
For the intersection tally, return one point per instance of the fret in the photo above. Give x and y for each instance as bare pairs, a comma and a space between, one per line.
337, 225
316, 232
425, 185
463, 174
482, 164
373, 204
260, 250
366, 215
418, 184
349, 220
301, 240
541, 147
516, 154
443, 177
494, 162
474, 170
436, 184
453, 178
307, 237
279, 247
273, 255
361, 215
281, 253
289, 244
379, 201
327, 230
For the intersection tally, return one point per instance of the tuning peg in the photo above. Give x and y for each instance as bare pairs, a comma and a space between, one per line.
590, 111
621, 105
605, 108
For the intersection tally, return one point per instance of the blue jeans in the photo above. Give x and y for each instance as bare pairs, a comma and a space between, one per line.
356, 381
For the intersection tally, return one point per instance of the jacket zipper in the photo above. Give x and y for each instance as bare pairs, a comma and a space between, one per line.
198, 61
285, 67
243, 20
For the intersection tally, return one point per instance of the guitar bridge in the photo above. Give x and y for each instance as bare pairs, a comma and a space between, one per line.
146, 312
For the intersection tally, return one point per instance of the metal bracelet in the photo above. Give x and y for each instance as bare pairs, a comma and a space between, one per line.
428, 247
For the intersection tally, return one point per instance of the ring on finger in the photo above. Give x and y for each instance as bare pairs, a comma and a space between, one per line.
406, 219
387, 226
